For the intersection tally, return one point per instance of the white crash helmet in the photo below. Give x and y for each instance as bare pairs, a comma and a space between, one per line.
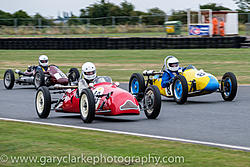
43, 60
171, 63
89, 71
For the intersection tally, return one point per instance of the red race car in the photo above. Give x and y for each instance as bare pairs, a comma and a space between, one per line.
33, 76
102, 97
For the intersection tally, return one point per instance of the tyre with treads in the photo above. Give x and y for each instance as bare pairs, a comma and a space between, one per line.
87, 106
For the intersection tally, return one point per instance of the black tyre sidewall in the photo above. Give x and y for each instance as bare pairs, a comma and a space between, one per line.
74, 70
157, 102
91, 104
12, 77
234, 86
141, 82
184, 95
47, 102
42, 79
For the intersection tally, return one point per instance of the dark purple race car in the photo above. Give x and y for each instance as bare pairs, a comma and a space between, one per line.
34, 76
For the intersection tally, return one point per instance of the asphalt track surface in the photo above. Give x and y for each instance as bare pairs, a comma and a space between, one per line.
206, 118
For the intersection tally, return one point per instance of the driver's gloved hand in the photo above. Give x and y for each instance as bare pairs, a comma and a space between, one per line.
29, 69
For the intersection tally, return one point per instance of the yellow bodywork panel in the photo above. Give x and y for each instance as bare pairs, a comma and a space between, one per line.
157, 82
201, 81
201, 78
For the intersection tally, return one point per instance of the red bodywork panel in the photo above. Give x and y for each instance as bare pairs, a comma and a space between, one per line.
121, 102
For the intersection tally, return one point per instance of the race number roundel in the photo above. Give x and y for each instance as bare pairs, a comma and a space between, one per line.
200, 74
96, 92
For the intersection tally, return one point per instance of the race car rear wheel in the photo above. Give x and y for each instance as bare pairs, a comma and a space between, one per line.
43, 102
137, 86
9, 79
180, 89
87, 106
228, 86
73, 75
152, 102
39, 79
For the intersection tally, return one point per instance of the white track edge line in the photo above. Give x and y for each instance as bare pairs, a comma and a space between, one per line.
134, 134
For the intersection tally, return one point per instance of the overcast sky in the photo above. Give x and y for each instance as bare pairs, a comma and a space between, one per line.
53, 7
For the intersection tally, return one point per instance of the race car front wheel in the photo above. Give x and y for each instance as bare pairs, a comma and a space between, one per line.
39, 79
87, 106
73, 75
180, 89
137, 86
43, 102
9, 79
228, 86
152, 102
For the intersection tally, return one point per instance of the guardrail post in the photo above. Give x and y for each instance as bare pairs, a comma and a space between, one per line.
39, 23
113, 21
15, 24
140, 19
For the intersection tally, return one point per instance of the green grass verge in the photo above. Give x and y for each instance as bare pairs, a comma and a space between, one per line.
120, 64
23, 139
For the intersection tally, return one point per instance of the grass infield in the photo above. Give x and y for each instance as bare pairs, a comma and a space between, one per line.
120, 64
29, 140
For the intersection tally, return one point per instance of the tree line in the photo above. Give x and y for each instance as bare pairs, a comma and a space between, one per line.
124, 13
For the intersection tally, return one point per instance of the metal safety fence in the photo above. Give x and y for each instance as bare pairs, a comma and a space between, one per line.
151, 24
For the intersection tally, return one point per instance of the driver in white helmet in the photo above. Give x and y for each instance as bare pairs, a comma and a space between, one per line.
88, 72
43, 63
87, 76
172, 69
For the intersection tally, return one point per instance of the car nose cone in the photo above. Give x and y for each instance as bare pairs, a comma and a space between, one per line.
213, 84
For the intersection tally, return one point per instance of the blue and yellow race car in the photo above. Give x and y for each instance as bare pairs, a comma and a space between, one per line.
190, 82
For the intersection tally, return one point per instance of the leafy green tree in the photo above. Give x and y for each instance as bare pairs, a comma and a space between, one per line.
22, 17
214, 7
178, 15
73, 20
43, 21
244, 8
157, 17
243, 5
102, 9
127, 8
6, 18
107, 10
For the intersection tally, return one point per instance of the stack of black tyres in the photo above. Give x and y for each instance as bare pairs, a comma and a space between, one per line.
121, 43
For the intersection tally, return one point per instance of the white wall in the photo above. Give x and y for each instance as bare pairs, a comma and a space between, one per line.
231, 24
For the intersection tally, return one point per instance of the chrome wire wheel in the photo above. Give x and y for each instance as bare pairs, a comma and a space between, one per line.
149, 101
37, 80
152, 102
7, 79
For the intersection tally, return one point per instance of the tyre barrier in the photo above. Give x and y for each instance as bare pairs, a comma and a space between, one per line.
121, 43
